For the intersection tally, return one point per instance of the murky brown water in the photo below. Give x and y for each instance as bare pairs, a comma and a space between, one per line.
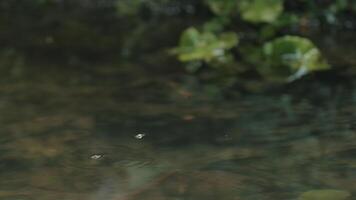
90, 139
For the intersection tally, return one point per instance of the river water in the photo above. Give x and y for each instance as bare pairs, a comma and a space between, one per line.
83, 135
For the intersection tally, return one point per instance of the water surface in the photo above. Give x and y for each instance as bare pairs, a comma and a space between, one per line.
76, 136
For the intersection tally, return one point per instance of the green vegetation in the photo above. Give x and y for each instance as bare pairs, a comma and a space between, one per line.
257, 11
274, 54
292, 57
205, 46
221, 43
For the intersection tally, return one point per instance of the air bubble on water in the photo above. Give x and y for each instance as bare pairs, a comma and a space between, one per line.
140, 136
96, 156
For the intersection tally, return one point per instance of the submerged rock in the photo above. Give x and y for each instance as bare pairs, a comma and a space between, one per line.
326, 194
193, 185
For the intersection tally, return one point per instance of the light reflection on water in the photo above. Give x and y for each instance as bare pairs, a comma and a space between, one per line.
117, 150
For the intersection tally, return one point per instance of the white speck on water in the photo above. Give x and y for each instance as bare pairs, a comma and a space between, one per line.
140, 136
96, 156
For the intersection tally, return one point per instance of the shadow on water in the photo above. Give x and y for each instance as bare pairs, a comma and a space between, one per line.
87, 139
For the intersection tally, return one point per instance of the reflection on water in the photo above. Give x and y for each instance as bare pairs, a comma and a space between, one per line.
84, 141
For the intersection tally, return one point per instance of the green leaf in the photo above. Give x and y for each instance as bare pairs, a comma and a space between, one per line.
222, 7
190, 37
204, 46
128, 7
257, 11
228, 40
216, 24
326, 194
291, 57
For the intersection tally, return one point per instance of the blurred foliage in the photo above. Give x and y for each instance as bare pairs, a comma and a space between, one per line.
270, 47
256, 11
206, 46
221, 42
128, 8
222, 8
291, 56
